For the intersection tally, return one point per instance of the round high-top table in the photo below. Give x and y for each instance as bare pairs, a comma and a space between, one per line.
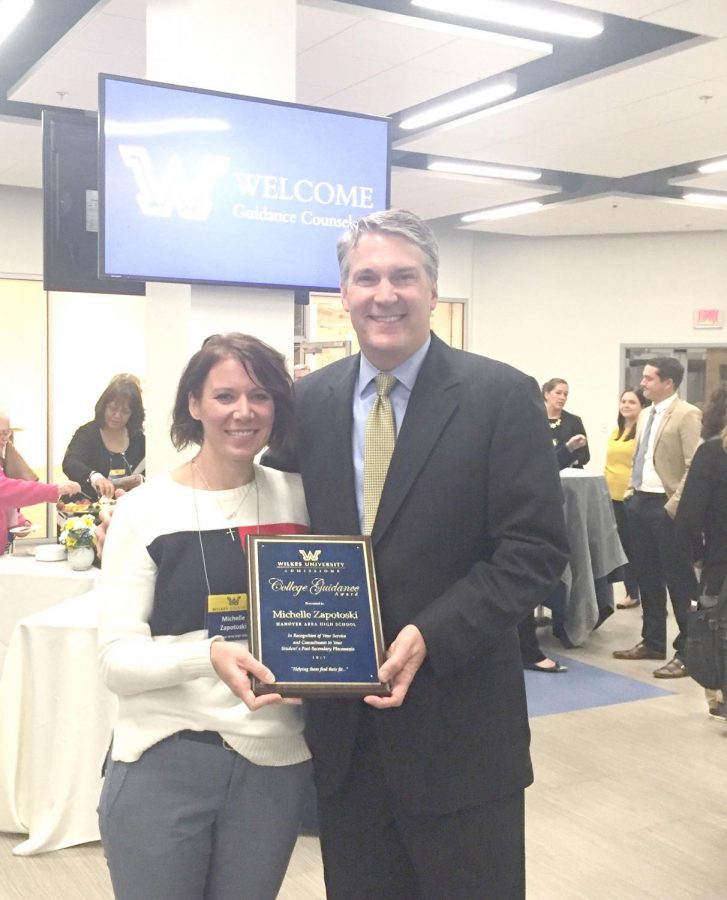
586, 594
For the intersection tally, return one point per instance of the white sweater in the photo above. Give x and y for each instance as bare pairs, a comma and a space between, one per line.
153, 647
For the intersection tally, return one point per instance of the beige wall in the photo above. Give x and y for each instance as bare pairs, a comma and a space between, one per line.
23, 366
564, 306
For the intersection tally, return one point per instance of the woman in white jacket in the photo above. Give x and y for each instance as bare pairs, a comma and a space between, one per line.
202, 796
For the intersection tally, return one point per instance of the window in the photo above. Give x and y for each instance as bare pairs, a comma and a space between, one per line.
324, 333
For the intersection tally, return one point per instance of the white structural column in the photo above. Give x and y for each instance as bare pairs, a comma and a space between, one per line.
242, 47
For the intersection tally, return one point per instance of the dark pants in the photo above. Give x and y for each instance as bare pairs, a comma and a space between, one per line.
661, 563
372, 849
529, 646
631, 579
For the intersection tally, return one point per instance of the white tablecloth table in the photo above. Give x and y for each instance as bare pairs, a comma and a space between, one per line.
595, 552
56, 718
27, 586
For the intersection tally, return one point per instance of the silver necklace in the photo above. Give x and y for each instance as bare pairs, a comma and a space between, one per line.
231, 515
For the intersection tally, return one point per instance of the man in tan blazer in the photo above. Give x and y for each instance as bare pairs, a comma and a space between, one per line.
667, 435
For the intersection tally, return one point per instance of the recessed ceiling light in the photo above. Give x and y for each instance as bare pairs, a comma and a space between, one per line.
505, 86
503, 212
484, 171
704, 198
12, 12
718, 165
521, 15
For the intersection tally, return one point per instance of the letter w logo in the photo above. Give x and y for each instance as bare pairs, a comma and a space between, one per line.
310, 555
175, 189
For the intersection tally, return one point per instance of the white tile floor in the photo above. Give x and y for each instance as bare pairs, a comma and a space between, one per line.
630, 803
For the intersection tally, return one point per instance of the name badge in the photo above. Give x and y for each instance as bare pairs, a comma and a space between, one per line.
227, 616
117, 473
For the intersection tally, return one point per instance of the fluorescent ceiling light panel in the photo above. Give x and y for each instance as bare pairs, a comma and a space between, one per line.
503, 212
521, 15
12, 12
705, 198
476, 99
718, 165
484, 171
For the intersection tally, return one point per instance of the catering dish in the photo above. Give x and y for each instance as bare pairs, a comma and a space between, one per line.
78, 507
50, 553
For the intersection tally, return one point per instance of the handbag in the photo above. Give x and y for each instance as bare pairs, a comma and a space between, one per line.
707, 639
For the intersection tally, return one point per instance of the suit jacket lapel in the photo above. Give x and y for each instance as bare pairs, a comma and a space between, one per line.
333, 430
664, 421
433, 401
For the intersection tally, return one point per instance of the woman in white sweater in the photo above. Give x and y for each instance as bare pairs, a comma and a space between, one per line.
202, 796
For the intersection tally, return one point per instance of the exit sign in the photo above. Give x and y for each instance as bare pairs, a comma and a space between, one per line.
707, 318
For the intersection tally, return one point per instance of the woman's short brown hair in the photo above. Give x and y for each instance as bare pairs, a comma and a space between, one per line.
263, 364
122, 388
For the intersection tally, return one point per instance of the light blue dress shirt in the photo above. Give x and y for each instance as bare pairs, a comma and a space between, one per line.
364, 395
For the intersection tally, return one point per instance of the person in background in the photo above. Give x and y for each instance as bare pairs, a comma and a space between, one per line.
619, 461
22, 491
108, 453
714, 416
566, 430
667, 435
527, 630
530, 651
202, 796
701, 519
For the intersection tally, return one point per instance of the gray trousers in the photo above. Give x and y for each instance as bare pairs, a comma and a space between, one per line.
192, 821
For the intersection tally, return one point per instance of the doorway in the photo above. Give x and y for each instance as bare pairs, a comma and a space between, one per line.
705, 368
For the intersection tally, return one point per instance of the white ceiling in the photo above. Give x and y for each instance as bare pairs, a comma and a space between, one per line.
610, 214
380, 64
636, 119
436, 195
661, 110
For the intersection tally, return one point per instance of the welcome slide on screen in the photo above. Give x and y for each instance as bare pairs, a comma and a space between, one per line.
201, 186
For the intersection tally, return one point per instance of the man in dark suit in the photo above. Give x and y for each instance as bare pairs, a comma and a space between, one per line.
421, 793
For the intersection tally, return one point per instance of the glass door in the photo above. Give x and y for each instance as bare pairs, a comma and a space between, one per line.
705, 367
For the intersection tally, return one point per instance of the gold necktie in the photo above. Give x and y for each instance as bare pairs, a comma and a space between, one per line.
379, 441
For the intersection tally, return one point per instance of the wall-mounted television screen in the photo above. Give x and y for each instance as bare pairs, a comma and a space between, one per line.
70, 206
201, 186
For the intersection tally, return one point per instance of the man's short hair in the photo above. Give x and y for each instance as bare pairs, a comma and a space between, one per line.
399, 223
667, 367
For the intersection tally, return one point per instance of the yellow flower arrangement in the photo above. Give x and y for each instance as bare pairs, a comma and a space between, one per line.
78, 531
